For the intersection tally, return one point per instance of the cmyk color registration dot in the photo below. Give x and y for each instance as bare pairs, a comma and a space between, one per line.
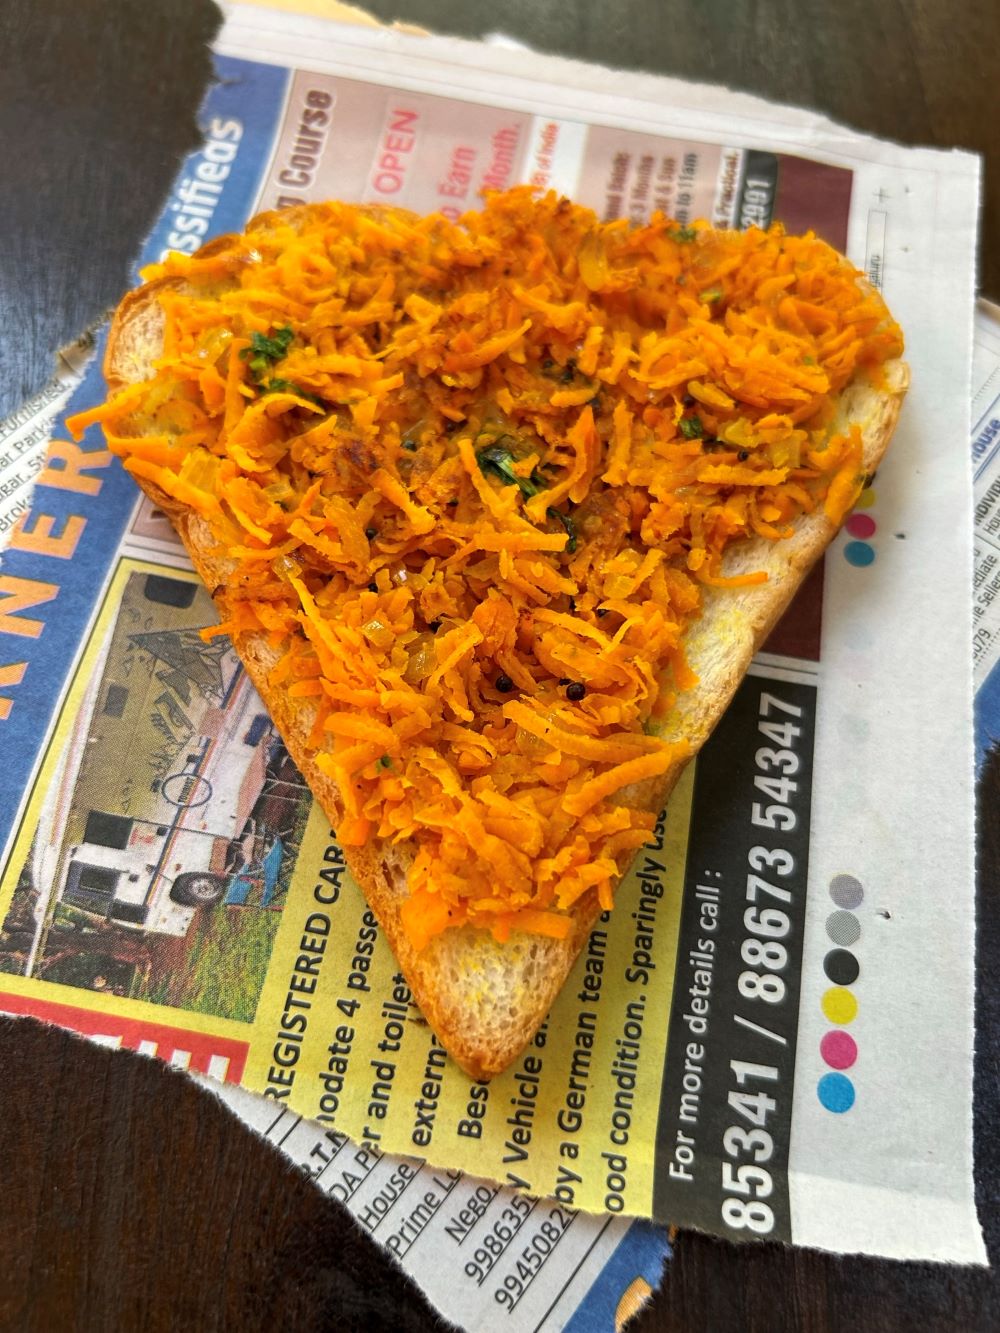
841, 966
839, 1049
846, 891
861, 527
839, 1005
859, 554
836, 1093
843, 928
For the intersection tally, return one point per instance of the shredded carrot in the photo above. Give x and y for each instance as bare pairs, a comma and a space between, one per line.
474, 477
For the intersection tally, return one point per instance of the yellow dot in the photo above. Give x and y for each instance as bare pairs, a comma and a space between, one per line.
866, 499
839, 1005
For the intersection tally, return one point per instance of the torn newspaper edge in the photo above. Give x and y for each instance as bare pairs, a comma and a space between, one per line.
489, 1258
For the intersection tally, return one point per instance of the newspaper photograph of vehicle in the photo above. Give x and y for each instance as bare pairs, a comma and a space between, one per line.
184, 838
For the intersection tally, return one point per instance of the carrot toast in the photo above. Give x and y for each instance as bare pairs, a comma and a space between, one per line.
497, 512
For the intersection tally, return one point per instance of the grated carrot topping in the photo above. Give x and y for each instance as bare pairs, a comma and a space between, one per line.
473, 477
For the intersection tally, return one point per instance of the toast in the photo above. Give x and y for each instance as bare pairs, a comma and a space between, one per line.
486, 983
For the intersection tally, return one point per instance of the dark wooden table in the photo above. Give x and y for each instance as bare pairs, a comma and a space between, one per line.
131, 1200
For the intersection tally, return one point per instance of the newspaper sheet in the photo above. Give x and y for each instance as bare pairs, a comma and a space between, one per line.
168, 883
24, 436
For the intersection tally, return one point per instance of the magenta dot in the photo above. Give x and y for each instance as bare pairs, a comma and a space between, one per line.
861, 525
839, 1050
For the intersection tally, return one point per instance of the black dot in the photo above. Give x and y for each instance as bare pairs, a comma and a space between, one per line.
575, 691
371, 533
841, 967
373, 587
504, 684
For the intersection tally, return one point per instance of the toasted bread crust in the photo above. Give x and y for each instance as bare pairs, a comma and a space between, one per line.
484, 1000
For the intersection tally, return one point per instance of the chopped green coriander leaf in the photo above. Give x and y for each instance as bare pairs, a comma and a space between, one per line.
498, 461
265, 349
691, 428
710, 294
276, 385
568, 524
683, 234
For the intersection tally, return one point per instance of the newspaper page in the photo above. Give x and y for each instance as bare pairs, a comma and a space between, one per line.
169, 884
24, 436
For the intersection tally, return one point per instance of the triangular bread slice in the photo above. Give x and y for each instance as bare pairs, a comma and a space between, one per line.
485, 999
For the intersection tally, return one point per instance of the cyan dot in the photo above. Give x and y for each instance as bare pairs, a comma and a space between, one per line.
859, 554
836, 1093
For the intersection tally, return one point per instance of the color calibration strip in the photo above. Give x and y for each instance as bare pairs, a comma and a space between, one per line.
839, 1003
861, 528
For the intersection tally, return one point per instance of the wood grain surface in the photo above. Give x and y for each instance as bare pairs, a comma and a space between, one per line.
132, 1200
